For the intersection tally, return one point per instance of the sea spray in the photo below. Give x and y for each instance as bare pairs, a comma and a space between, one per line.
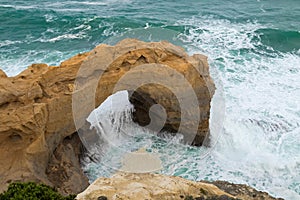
247, 42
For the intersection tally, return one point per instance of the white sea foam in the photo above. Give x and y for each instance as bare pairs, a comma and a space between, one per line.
50, 17
109, 29
18, 7
262, 104
260, 143
82, 27
93, 3
8, 42
13, 65
86, 3
72, 6
66, 36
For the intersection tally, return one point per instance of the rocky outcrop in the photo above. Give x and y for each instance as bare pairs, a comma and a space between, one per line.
35, 121
64, 170
156, 187
242, 191
37, 116
153, 74
148, 186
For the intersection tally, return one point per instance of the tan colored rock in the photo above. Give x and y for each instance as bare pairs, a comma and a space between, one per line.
137, 186
123, 186
36, 114
2, 74
27, 109
153, 73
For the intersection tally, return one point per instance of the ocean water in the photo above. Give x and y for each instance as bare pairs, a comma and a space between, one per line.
254, 54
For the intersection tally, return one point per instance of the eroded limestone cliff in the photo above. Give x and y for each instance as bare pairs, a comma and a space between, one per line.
38, 136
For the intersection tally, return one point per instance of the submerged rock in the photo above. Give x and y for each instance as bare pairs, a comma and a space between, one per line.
37, 141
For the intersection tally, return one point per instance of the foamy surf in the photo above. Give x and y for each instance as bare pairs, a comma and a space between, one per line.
253, 52
259, 143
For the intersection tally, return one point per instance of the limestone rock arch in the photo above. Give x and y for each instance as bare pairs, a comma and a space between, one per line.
36, 114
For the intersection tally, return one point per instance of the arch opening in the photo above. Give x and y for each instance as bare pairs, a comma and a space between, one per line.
112, 136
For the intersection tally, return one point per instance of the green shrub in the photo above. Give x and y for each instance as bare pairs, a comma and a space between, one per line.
32, 191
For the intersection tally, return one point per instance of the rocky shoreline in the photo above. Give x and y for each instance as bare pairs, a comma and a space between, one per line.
155, 186
40, 142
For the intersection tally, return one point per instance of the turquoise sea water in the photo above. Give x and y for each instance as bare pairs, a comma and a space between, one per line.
253, 49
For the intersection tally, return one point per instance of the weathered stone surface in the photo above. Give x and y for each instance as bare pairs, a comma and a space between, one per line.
2, 74
156, 187
242, 191
153, 73
36, 106
35, 118
64, 170
148, 186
